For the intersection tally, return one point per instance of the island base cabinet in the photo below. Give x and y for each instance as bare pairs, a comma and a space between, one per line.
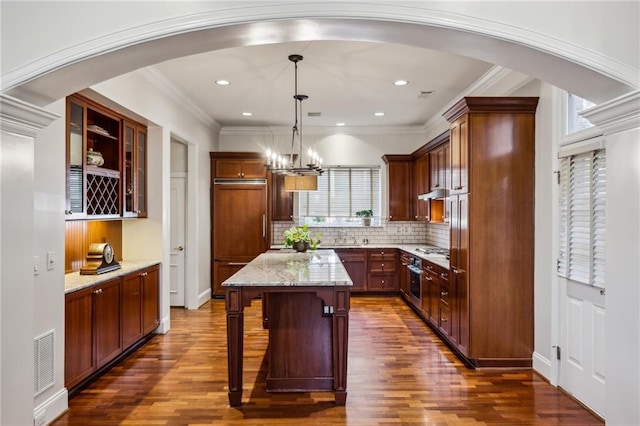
297, 326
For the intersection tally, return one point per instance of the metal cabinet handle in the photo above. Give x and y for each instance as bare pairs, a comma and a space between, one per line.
458, 187
98, 291
444, 275
457, 271
443, 320
444, 293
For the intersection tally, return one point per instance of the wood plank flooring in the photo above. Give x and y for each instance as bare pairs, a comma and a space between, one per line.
399, 374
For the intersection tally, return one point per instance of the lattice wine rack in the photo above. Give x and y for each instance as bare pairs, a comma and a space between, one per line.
103, 194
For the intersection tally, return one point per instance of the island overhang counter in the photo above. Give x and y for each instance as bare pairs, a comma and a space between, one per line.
305, 306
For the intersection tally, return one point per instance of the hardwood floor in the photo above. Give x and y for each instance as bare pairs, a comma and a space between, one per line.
399, 374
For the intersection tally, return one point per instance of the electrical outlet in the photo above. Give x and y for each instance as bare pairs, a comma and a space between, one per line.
51, 260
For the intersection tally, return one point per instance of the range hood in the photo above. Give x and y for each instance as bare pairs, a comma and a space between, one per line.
438, 194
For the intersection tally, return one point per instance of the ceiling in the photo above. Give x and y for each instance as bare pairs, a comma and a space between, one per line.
346, 82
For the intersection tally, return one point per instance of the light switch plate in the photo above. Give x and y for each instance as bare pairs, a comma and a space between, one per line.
51, 260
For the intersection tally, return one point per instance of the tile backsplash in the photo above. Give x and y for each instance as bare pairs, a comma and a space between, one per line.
388, 233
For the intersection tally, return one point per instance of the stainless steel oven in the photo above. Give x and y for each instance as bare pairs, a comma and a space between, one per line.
415, 276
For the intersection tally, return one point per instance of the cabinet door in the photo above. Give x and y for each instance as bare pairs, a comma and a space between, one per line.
253, 169
134, 175
399, 190
75, 191
79, 361
459, 255
459, 155
355, 262
404, 274
150, 299
131, 309
281, 200
231, 169
421, 185
107, 315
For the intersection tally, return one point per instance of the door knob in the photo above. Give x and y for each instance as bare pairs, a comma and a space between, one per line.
180, 248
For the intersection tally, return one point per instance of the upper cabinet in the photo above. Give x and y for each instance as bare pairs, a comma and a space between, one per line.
281, 200
399, 186
237, 168
105, 163
421, 186
134, 170
459, 156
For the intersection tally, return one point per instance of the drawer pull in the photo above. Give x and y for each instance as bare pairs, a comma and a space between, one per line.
443, 320
444, 293
444, 275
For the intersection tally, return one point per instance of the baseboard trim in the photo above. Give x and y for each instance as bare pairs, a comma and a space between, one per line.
542, 366
204, 297
53, 407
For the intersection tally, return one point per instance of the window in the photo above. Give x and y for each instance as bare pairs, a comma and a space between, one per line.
342, 191
582, 217
575, 122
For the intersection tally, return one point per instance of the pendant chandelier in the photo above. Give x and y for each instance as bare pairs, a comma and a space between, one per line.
296, 178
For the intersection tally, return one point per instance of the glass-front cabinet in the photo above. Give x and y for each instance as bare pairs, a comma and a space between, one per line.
135, 170
105, 163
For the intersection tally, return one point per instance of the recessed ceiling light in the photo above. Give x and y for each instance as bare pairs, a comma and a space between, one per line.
401, 82
222, 82
340, 124
247, 114
379, 114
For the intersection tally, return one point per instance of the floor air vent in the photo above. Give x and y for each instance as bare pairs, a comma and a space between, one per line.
43, 347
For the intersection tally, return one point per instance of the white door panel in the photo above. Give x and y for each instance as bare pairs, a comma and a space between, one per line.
583, 344
177, 237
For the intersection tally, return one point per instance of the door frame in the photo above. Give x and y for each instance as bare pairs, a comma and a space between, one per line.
192, 298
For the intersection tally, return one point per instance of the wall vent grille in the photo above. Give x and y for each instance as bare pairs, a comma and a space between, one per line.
43, 374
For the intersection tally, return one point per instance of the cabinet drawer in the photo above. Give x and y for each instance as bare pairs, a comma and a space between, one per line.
445, 320
383, 283
435, 270
382, 253
445, 296
382, 265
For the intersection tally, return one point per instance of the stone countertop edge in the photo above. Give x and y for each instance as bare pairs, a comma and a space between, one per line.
409, 248
286, 268
74, 281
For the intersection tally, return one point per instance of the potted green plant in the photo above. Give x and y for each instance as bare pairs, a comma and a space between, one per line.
299, 237
366, 216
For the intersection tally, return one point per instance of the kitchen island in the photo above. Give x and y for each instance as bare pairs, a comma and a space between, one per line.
306, 310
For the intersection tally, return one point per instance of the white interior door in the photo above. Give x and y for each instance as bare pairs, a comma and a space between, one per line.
177, 254
582, 348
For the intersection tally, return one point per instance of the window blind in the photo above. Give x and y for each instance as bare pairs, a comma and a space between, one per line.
342, 191
582, 217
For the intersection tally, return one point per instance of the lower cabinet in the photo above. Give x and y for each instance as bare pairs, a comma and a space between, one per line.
383, 270
355, 262
104, 320
221, 271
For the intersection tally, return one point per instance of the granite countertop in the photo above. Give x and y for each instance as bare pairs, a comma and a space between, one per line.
289, 268
438, 259
74, 281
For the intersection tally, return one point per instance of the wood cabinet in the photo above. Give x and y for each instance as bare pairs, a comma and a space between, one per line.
134, 170
421, 186
79, 360
492, 235
403, 273
281, 200
435, 294
104, 320
383, 270
355, 262
399, 186
150, 278
234, 168
105, 163
106, 317
92, 330
438, 168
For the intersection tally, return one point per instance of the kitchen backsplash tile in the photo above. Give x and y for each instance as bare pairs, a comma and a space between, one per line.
388, 233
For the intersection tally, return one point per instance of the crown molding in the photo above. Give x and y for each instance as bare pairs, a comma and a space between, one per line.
617, 115
498, 81
22, 118
157, 78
